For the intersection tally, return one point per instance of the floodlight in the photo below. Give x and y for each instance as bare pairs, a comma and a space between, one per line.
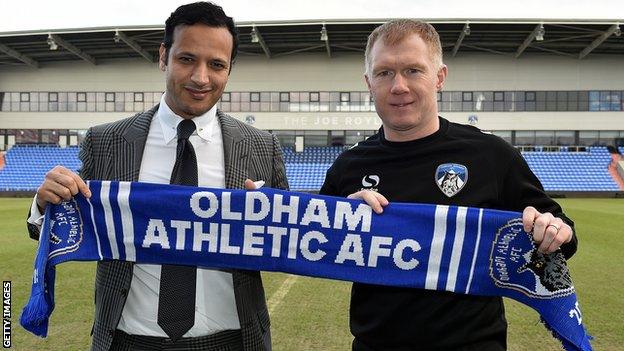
539, 36
324, 36
254, 35
52, 43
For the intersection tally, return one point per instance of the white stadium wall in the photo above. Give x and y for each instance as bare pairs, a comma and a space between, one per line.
343, 72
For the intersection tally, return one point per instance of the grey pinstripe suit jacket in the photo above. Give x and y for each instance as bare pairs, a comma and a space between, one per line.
114, 151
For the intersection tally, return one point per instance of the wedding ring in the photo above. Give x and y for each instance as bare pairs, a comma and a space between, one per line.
554, 226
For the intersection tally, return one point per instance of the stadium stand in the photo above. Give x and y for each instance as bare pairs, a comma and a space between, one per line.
573, 171
306, 170
26, 166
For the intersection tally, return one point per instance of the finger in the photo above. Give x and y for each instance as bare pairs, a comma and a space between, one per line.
249, 184
374, 200
81, 185
382, 199
550, 235
369, 198
357, 195
63, 177
46, 197
528, 218
539, 227
563, 236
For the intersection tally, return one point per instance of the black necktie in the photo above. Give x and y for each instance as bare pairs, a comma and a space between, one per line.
176, 303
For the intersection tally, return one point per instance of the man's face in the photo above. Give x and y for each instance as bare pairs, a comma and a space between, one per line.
404, 82
197, 68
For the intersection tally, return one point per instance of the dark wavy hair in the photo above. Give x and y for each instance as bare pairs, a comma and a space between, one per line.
200, 12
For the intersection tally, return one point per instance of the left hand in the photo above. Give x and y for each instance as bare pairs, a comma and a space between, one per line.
251, 185
549, 232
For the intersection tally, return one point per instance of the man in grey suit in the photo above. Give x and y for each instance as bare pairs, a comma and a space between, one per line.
230, 311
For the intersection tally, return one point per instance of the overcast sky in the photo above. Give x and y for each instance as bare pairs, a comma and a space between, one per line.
25, 15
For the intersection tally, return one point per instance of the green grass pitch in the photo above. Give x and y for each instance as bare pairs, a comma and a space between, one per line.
311, 314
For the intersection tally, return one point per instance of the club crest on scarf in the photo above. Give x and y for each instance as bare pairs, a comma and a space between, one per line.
451, 178
515, 259
66, 232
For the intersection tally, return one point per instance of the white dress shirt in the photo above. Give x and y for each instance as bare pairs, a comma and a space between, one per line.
215, 305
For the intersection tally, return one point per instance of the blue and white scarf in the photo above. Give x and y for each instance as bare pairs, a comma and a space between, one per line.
459, 249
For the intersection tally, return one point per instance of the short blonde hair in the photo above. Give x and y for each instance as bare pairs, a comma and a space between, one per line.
392, 32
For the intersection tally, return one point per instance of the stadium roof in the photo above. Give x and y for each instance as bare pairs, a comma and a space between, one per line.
514, 38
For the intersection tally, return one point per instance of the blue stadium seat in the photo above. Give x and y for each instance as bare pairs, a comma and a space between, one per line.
26, 166
573, 171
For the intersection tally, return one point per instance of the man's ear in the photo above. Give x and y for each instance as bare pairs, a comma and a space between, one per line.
442, 72
162, 57
368, 83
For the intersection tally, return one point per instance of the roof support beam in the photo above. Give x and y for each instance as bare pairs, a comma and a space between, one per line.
554, 51
604, 36
327, 48
486, 50
464, 32
345, 47
134, 45
256, 37
325, 38
74, 50
27, 60
528, 40
299, 50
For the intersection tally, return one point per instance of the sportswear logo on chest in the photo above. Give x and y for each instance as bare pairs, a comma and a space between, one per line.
370, 181
451, 178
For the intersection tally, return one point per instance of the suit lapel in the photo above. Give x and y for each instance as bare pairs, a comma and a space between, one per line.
129, 153
236, 152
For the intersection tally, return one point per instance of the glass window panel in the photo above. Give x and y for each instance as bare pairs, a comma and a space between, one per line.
138, 97
594, 101
314, 97
225, 97
235, 97
544, 137
529, 96
110, 97
499, 96
284, 97
62, 104
588, 137
467, 96
24, 97
344, 97
607, 137
315, 137
100, 103
615, 101
81, 97
91, 102
503, 134
525, 137
244, 96
564, 137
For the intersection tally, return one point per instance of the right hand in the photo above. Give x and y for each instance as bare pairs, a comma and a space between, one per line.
372, 199
60, 184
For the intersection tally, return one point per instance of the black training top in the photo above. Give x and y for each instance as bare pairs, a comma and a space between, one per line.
497, 177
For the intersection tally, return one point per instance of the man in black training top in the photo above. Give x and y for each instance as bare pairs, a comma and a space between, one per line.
418, 156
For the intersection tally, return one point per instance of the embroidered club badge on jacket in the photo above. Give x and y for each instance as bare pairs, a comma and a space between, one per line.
451, 178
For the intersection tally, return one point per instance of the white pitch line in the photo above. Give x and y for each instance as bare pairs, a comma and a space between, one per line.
281, 292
